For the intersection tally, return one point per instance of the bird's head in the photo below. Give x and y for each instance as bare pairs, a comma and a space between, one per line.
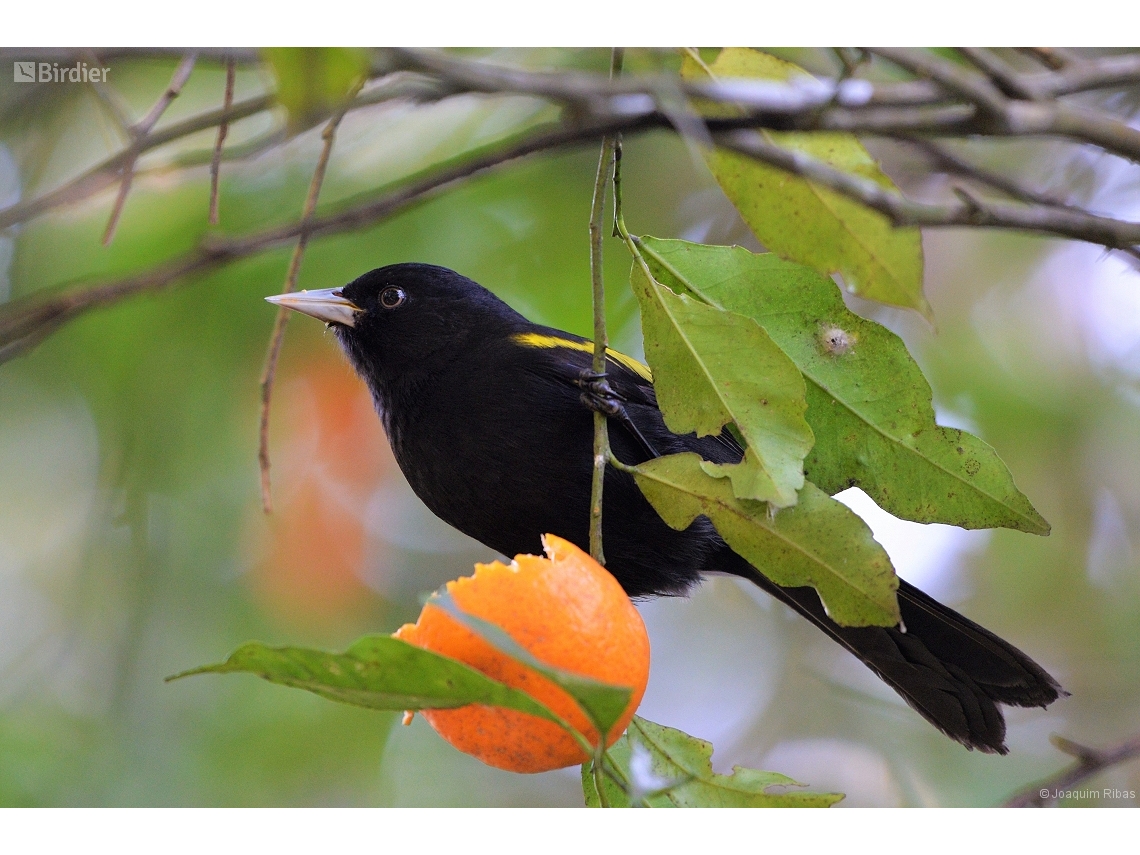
405, 320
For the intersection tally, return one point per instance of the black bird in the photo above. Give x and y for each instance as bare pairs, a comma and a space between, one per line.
489, 417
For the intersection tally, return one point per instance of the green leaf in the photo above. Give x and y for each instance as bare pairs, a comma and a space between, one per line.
820, 542
868, 403
686, 760
808, 223
712, 367
602, 703
379, 672
312, 82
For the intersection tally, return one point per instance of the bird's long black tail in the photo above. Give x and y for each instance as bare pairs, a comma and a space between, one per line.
949, 669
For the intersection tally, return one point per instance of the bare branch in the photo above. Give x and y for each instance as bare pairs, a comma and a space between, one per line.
646, 94
140, 131
952, 163
906, 92
952, 77
953, 101
1053, 58
601, 341
969, 211
929, 107
805, 104
246, 56
110, 101
1000, 73
1089, 762
223, 129
270, 371
1081, 75
1020, 118
232, 153
23, 320
103, 174
947, 160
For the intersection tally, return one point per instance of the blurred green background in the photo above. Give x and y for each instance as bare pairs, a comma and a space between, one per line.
133, 546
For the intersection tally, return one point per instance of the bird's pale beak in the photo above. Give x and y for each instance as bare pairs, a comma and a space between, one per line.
326, 304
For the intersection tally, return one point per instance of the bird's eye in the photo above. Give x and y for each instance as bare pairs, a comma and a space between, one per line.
390, 298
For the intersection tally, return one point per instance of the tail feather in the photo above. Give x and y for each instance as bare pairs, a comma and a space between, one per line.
950, 670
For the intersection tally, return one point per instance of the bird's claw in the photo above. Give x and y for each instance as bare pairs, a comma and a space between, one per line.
599, 396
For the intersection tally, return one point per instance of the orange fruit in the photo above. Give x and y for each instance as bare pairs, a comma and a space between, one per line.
568, 612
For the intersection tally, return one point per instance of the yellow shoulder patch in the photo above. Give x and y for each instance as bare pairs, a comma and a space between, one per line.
542, 340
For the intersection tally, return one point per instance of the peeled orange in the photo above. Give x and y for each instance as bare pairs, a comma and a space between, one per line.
567, 611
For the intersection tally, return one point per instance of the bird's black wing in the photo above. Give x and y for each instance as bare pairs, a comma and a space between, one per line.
640, 426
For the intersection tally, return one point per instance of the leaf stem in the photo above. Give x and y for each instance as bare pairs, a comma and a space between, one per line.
599, 775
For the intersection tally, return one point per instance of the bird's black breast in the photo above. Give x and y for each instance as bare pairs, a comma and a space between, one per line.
500, 445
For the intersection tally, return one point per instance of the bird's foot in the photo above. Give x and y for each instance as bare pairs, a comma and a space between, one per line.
599, 396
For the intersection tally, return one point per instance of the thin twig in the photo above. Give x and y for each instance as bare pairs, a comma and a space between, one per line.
1080, 75
1007, 117
951, 76
1089, 762
110, 101
601, 341
246, 56
944, 159
1051, 58
951, 162
140, 131
1000, 73
270, 371
241, 151
223, 129
103, 174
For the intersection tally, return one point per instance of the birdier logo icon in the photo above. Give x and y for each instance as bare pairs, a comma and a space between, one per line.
53, 72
